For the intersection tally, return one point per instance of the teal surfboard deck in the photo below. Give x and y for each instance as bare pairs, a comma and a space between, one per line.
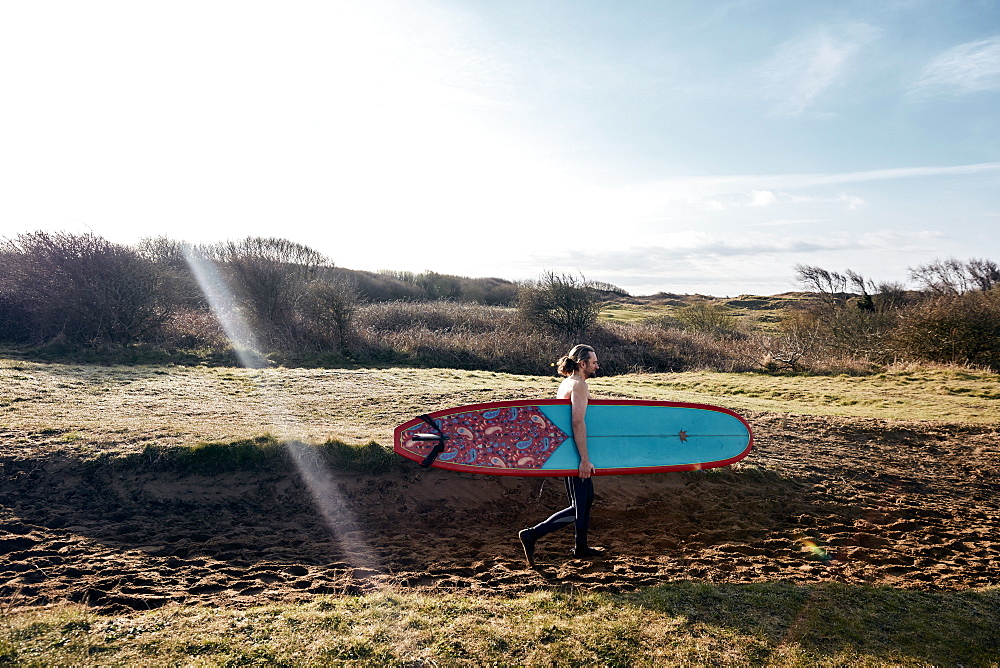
535, 438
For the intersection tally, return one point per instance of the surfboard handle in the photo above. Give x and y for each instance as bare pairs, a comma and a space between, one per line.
438, 447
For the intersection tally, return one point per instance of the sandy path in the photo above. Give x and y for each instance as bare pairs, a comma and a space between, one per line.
912, 505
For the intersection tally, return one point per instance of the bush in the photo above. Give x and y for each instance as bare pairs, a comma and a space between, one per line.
651, 347
712, 319
189, 329
81, 288
287, 294
269, 277
438, 316
431, 286
452, 334
560, 303
177, 282
327, 312
471, 336
955, 277
854, 324
955, 329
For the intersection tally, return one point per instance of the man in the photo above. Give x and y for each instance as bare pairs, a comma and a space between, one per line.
578, 365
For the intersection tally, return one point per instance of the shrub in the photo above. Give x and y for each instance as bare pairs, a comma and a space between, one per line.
430, 286
327, 311
460, 335
269, 277
957, 329
81, 288
954, 277
712, 319
191, 328
383, 286
438, 316
561, 303
651, 347
472, 336
855, 324
176, 281
291, 299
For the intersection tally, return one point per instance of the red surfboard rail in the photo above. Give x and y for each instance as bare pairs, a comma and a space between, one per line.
480, 450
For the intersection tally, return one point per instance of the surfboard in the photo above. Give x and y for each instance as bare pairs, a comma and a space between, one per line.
535, 438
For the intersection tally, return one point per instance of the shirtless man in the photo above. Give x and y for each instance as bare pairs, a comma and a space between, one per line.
578, 365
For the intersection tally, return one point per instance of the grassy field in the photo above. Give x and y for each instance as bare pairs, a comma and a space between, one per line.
752, 311
84, 411
128, 404
680, 624
906, 393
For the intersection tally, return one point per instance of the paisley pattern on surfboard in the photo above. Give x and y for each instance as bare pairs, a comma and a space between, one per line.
519, 437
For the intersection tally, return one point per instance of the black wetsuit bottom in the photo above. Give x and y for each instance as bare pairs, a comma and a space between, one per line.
581, 499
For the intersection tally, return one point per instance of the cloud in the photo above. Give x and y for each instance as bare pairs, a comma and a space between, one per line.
693, 247
756, 197
786, 222
701, 189
762, 198
853, 202
719, 264
803, 69
968, 68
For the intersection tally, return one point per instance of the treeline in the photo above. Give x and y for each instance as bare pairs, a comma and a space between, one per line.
62, 291
87, 290
952, 316
64, 294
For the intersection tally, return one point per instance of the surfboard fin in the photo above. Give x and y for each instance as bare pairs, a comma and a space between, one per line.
440, 438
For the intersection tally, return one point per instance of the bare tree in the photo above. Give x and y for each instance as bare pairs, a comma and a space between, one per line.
82, 287
270, 277
984, 274
560, 302
856, 313
328, 308
953, 277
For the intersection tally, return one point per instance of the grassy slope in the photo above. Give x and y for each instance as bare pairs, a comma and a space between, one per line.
774, 623
756, 311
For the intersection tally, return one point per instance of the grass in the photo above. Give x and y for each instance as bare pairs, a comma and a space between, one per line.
126, 408
904, 393
680, 623
623, 312
185, 417
756, 312
259, 453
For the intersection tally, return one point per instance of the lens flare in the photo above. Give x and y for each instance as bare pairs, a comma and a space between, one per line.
280, 417
226, 309
817, 551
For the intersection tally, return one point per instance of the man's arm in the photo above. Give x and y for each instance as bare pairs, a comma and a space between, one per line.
580, 397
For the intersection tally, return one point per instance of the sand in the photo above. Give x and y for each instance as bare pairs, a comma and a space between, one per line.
913, 505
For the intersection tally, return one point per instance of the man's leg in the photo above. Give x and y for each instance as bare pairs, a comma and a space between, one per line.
556, 521
582, 496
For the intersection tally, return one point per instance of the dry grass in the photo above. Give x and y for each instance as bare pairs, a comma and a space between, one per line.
90, 410
947, 394
776, 624
129, 406
125, 408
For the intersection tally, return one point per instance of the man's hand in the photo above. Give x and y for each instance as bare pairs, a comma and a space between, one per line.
586, 469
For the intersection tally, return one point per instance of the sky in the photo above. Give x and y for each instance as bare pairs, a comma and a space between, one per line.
675, 146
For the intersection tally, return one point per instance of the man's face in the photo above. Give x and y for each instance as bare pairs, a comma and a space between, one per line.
590, 367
